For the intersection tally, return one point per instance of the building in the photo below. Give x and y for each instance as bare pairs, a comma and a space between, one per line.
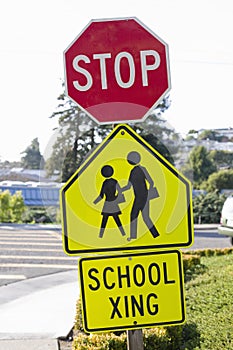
35, 194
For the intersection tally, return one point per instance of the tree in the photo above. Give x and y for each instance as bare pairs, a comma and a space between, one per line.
78, 135
208, 135
199, 165
33, 158
218, 181
207, 207
157, 144
222, 159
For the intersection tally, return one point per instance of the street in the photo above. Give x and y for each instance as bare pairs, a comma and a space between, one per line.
32, 250
209, 238
28, 251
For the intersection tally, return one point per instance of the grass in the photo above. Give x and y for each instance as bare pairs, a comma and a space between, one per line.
209, 305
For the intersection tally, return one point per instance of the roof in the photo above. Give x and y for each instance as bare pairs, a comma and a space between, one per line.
34, 194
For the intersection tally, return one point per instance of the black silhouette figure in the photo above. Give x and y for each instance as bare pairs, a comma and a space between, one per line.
113, 196
138, 179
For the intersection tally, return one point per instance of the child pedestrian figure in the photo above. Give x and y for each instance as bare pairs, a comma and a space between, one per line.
111, 192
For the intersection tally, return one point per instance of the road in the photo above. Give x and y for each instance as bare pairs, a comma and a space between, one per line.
209, 238
28, 251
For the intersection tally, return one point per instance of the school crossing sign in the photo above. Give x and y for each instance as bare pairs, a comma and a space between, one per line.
130, 291
125, 197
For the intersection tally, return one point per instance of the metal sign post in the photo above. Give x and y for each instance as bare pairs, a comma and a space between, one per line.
135, 340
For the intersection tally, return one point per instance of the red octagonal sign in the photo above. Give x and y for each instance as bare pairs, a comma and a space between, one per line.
117, 70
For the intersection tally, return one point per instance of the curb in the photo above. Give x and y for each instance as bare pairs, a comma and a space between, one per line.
206, 226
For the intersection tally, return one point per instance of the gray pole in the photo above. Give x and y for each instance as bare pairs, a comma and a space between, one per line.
135, 340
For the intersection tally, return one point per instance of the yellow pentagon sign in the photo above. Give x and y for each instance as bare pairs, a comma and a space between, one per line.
125, 196
130, 291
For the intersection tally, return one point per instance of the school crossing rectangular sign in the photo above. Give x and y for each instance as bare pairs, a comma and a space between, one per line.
132, 291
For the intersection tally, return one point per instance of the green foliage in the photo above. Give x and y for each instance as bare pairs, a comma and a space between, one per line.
77, 135
200, 165
222, 158
18, 207
192, 266
209, 303
213, 135
11, 206
207, 207
100, 342
159, 146
209, 135
210, 252
41, 215
5, 206
73, 123
91, 138
218, 181
33, 158
82, 145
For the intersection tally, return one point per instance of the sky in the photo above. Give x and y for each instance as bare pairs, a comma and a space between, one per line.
35, 33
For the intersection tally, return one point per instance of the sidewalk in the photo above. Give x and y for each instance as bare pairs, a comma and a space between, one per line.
35, 312
206, 226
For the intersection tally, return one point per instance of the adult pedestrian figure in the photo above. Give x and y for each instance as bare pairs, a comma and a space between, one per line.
138, 179
112, 193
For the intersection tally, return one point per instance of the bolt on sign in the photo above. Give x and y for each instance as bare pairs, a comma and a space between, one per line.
117, 70
130, 291
125, 196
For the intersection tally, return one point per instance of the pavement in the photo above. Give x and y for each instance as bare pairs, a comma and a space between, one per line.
34, 313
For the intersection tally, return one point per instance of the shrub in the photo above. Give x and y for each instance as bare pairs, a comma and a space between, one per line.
18, 207
41, 215
11, 206
207, 207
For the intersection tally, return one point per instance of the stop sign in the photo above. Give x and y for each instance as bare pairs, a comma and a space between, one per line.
117, 70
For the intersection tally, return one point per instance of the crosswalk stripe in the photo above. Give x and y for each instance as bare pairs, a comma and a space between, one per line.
55, 266
30, 252
27, 235
11, 277
30, 249
28, 239
36, 257
56, 234
31, 243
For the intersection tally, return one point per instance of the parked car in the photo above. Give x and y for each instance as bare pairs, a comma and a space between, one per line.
226, 221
